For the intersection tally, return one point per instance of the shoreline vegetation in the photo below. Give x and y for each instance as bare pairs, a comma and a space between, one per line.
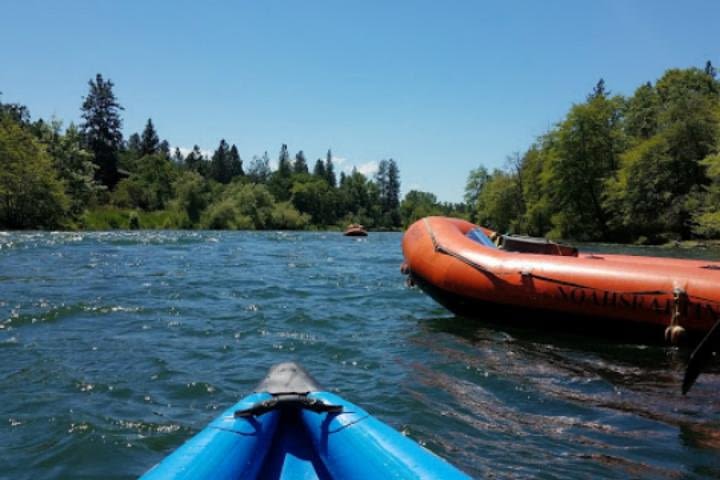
89, 177
641, 169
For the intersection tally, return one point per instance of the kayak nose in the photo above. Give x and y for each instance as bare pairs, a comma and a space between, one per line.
288, 377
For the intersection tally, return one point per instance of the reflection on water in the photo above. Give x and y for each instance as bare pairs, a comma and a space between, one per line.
115, 347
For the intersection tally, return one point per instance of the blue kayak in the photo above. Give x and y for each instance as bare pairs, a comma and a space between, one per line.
291, 429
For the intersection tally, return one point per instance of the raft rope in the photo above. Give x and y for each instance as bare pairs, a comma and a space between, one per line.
446, 251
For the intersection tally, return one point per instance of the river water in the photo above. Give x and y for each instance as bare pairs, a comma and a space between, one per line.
116, 347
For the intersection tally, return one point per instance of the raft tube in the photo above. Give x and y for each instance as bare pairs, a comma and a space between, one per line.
291, 429
475, 272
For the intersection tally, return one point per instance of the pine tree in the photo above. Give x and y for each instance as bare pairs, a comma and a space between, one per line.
236, 168
149, 140
710, 70
281, 181
319, 169
133, 143
220, 163
102, 129
259, 170
164, 148
330, 170
284, 169
599, 90
300, 164
178, 157
195, 160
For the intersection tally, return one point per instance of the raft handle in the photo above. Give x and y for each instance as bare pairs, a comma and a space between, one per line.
290, 400
675, 333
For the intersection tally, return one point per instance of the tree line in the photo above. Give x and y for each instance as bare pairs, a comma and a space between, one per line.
90, 176
644, 168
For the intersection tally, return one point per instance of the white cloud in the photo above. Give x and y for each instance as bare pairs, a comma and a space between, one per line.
339, 161
185, 151
368, 168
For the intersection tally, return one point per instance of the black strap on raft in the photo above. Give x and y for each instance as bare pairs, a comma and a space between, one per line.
288, 401
701, 356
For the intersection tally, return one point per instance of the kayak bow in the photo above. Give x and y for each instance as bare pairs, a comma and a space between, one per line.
289, 428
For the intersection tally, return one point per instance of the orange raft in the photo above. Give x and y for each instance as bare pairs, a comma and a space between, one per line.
461, 266
355, 230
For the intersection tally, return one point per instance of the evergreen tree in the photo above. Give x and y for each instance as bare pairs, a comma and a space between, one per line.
281, 180
102, 129
164, 148
319, 169
134, 144
259, 169
300, 164
149, 140
388, 182
284, 168
220, 163
195, 161
236, 167
599, 90
16, 112
710, 70
178, 157
330, 170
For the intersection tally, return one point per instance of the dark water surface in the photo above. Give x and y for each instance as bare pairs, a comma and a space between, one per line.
117, 347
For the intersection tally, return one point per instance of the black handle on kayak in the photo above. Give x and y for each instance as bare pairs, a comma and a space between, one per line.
701, 356
283, 401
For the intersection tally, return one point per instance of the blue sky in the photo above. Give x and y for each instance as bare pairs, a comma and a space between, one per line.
441, 87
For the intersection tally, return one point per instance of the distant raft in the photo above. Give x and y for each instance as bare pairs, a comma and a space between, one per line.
474, 271
355, 230
292, 429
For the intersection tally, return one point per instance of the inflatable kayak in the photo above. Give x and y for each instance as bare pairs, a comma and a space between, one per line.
291, 429
473, 270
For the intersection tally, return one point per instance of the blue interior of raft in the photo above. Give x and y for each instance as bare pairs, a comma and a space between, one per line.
477, 235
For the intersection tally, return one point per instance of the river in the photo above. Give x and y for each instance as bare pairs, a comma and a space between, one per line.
115, 347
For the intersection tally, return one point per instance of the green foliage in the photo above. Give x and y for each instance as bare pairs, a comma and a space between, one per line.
706, 219
31, 195
589, 142
417, 205
149, 187
313, 196
280, 182
241, 206
259, 170
498, 205
113, 218
72, 163
192, 195
284, 216
618, 169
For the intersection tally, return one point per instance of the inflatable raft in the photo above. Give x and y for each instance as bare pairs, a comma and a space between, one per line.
291, 429
355, 230
475, 272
